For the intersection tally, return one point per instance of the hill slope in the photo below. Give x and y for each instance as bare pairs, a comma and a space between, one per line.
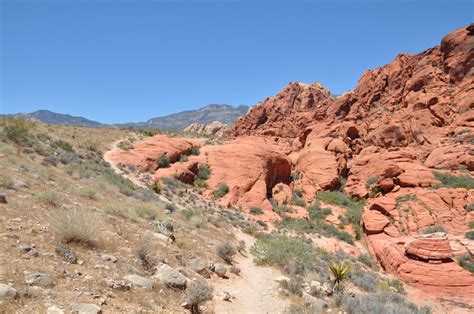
50, 117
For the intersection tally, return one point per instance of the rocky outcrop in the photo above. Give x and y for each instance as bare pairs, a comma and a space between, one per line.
215, 128
434, 246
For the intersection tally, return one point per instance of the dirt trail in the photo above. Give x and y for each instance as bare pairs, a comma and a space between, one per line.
255, 291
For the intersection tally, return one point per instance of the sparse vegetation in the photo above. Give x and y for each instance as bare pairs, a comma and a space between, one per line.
204, 172
256, 211
379, 303
222, 189
49, 198
434, 229
226, 251
163, 161
17, 130
147, 259
6, 181
466, 261
451, 181
339, 273
195, 151
183, 158
305, 226
470, 235
75, 225
198, 293
125, 145
370, 181
64, 145
470, 207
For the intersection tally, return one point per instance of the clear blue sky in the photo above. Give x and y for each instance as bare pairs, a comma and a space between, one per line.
121, 61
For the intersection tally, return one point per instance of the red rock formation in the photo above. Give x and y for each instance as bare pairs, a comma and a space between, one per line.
433, 246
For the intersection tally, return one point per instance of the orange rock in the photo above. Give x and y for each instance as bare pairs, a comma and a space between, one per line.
282, 193
430, 246
374, 221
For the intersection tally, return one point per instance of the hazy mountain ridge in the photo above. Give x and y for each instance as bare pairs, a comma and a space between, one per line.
225, 114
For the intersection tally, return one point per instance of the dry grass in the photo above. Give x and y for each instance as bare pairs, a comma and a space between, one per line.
6, 181
75, 225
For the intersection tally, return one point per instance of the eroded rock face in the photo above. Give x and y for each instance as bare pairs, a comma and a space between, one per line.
215, 128
434, 246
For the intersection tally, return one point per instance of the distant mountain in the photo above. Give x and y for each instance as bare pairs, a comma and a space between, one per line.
50, 117
223, 113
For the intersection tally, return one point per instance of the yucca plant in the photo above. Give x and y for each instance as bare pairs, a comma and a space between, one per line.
339, 272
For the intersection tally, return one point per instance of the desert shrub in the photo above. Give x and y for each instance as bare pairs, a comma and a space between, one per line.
367, 281
297, 193
195, 151
146, 257
172, 183
204, 172
305, 226
371, 181
470, 235
75, 225
200, 292
451, 181
88, 192
163, 161
406, 198
294, 285
146, 211
298, 309
298, 201
149, 132
119, 181
282, 209
316, 213
281, 251
125, 145
339, 273
17, 130
433, 229
43, 137
171, 207
183, 158
393, 303
226, 251
366, 260
470, 224
49, 198
93, 146
470, 207
466, 261
6, 181
64, 145
340, 199
397, 284
222, 189
294, 176
256, 211
200, 183
155, 187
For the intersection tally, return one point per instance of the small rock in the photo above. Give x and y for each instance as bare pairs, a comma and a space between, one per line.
139, 281
220, 270
85, 308
109, 258
284, 291
3, 199
119, 285
234, 270
39, 279
224, 296
66, 253
200, 266
170, 276
54, 310
7, 293
282, 279
315, 304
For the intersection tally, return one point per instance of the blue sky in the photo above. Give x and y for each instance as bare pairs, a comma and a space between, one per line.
121, 61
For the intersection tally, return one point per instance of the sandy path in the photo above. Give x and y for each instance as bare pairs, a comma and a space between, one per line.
255, 291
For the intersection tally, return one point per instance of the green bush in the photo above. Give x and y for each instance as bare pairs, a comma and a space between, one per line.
371, 181
125, 145
466, 261
433, 229
281, 251
195, 151
49, 198
163, 161
204, 172
397, 284
366, 260
200, 183
470, 235
17, 130
471, 224
470, 207
64, 145
183, 158
316, 213
93, 146
298, 201
451, 181
222, 189
256, 211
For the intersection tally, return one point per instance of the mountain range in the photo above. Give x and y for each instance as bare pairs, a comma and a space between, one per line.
226, 114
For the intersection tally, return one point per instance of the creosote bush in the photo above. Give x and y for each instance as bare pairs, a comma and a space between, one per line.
17, 130
195, 151
226, 251
204, 172
75, 225
64, 145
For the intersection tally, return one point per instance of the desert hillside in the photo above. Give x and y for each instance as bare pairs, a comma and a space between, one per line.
360, 203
